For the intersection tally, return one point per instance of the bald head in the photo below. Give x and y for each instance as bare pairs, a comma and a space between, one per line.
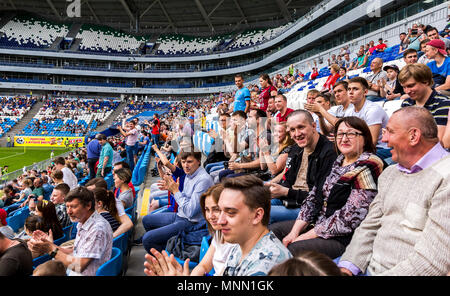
420, 118
376, 65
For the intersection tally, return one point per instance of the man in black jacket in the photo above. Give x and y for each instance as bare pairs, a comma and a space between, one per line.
309, 163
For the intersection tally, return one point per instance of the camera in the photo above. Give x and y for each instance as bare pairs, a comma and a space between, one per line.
414, 31
225, 165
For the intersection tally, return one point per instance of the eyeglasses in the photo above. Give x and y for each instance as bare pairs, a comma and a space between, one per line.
350, 135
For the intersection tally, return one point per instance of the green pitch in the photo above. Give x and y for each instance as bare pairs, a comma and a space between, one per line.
18, 157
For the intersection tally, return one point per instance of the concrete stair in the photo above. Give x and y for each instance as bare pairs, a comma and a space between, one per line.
56, 43
112, 117
22, 123
73, 31
75, 45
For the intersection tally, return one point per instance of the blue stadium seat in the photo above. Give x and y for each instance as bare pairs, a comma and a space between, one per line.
112, 267
39, 260
18, 219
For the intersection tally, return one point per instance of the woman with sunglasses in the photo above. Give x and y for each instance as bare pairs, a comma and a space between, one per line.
329, 215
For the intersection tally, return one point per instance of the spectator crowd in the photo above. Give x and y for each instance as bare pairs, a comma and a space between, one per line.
330, 189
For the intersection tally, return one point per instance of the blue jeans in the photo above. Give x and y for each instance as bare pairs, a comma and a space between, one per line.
162, 226
229, 174
281, 213
155, 139
384, 153
130, 156
209, 166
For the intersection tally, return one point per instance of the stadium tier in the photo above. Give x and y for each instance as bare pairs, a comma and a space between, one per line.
29, 32
69, 118
107, 40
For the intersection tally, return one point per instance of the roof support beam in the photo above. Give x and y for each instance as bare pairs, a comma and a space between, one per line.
92, 11
214, 9
127, 9
50, 3
168, 17
240, 11
12, 4
205, 16
148, 8
284, 10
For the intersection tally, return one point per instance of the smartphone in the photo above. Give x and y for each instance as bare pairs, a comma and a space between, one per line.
225, 165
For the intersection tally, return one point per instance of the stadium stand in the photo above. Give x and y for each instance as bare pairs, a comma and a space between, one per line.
182, 45
12, 110
29, 32
60, 117
254, 37
101, 39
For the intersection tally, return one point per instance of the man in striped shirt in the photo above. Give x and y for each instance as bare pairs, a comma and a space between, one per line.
417, 81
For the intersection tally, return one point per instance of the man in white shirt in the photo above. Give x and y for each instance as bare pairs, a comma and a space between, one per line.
327, 118
68, 176
93, 243
375, 116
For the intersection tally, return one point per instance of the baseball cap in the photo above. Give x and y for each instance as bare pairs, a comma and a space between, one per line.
393, 67
3, 216
191, 117
439, 44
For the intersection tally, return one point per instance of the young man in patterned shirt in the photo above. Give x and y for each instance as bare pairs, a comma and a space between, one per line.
245, 213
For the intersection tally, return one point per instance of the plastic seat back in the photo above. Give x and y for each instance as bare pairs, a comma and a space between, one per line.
112, 267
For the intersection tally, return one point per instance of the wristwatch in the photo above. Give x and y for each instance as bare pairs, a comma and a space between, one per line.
53, 253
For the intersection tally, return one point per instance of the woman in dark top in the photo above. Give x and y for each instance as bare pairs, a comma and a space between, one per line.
105, 205
15, 258
329, 215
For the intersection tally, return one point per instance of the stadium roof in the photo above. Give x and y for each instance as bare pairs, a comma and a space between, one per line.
191, 17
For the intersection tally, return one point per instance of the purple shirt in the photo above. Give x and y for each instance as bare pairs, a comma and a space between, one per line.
436, 153
433, 155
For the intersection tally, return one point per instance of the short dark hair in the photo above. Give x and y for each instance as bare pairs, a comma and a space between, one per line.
343, 83
124, 164
63, 187
60, 160
185, 154
362, 81
256, 194
58, 174
85, 196
123, 174
101, 137
239, 76
240, 113
307, 263
303, 112
358, 124
408, 51
98, 182
431, 29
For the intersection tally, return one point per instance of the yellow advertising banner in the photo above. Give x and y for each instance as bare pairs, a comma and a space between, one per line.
38, 141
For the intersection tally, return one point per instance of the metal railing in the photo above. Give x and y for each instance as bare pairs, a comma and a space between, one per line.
42, 165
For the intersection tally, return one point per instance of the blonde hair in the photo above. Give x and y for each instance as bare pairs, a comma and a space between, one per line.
288, 141
420, 72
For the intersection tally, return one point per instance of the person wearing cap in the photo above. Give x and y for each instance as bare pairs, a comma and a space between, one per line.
4, 227
440, 66
391, 89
